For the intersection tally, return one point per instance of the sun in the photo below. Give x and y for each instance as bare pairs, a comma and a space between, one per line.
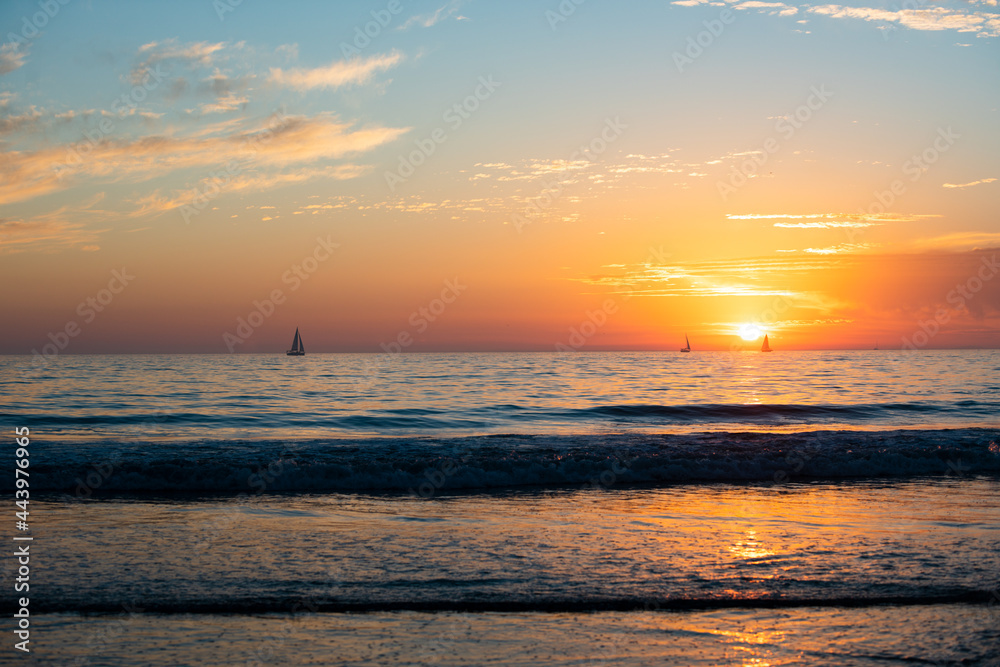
750, 332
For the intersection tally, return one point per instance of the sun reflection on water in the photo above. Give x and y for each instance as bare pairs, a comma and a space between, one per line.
750, 547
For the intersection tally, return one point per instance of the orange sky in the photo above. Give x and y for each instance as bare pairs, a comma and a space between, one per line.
843, 199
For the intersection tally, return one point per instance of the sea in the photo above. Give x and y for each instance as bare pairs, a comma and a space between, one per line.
711, 508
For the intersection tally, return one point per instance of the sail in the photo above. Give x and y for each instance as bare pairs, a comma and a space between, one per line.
765, 347
298, 349
687, 342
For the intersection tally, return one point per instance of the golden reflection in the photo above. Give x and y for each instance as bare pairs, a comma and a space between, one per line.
750, 547
751, 648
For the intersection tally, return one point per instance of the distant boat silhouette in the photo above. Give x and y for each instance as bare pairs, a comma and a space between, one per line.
876, 346
765, 347
298, 349
686, 348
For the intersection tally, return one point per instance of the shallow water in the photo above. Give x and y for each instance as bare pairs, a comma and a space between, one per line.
884, 635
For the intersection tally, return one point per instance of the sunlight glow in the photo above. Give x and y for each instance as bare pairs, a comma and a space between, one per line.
750, 332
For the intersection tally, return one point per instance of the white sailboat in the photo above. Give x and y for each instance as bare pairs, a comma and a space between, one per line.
298, 349
687, 346
765, 347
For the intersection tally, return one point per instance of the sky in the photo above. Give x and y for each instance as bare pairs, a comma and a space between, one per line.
208, 175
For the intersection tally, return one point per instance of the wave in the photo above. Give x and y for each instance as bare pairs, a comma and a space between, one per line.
427, 466
319, 604
235, 415
766, 412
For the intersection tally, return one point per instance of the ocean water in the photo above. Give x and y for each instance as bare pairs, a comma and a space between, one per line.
590, 508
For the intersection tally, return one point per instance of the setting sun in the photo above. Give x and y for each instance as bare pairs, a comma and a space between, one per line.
750, 332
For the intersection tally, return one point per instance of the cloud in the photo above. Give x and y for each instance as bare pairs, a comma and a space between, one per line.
960, 241
11, 57
336, 74
428, 20
289, 51
195, 53
284, 142
833, 220
931, 18
23, 122
156, 203
969, 185
752, 277
61, 229
973, 19
771, 8
841, 248
824, 225
49, 232
224, 104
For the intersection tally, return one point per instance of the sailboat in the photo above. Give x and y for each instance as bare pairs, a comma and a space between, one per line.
687, 347
876, 345
765, 347
298, 349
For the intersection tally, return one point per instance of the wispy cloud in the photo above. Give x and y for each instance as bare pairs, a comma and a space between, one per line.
981, 20
955, 242
297, 140
428, 20
931, 18
833, 220
194, 54
156, 202
969, 185
840, 249
22, 122
61, 229
753, 277
336, 74
11, 57
224, 104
